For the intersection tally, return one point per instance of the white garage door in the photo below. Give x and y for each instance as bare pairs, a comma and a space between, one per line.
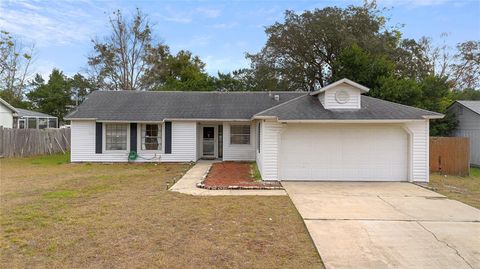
357, 152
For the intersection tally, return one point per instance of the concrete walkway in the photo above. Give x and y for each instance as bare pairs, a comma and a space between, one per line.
387, 225
188, 183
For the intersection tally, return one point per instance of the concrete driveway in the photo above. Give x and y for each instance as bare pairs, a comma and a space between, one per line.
387, 225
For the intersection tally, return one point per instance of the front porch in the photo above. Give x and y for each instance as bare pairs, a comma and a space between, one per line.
226, 140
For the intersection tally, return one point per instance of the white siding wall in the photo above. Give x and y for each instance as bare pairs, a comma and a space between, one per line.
238, 152
83, 145
469, 126
269, 149
258, 154
6, 116
419, 150
330, 102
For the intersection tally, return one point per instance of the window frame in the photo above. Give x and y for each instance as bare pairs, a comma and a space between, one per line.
28, 122
249, 134
42, 123
142, 136
50, 120
127, 137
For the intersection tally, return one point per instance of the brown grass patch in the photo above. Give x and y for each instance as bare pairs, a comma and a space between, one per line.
463, 189
55, 214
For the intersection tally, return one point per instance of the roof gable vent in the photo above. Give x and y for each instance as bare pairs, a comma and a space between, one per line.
342, 94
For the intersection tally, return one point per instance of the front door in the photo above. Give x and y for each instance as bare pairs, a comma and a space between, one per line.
209, 142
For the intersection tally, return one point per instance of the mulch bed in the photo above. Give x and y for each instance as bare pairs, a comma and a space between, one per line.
234, 175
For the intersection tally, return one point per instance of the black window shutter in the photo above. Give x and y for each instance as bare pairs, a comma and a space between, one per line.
168, 137
133, 137
98, 137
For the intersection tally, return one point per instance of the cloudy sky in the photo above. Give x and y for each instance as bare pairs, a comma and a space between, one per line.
220, 32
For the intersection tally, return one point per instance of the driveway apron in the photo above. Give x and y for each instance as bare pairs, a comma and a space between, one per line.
387, 225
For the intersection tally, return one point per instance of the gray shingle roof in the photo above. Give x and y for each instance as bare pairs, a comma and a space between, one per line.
30, 113
309, 108
472, 105
156, 106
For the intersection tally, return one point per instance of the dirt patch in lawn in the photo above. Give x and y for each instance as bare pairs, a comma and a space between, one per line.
463, 189
59, 215
235, 175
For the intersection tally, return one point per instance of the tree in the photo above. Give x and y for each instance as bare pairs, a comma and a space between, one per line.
80, 88
52, 97
466, 69
129, 59
362, 67
182, 71
118, 62
15, 63
404, 90
301, 51
466, 94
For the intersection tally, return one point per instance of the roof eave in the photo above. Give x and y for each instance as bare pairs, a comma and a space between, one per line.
257, 117
350, 121
9, 106
433, 117
67, 118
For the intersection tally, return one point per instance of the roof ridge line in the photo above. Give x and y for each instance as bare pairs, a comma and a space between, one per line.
306, 94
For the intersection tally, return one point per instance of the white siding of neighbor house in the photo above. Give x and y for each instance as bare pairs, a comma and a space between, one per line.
329, 101
83, 145
239, 152
6, 116
419, 136
267, 160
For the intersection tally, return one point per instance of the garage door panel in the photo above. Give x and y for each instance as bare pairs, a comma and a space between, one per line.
333, 152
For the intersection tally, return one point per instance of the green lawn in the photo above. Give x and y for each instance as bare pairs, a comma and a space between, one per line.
56, 214
463, 189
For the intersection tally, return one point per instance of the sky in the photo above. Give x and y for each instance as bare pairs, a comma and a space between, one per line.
219, 32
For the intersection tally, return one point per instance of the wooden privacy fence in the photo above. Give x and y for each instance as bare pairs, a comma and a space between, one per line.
27, 142
450, 155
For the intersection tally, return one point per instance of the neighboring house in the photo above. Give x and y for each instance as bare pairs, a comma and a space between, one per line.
468, 116
7, 112
334, 133
29, 119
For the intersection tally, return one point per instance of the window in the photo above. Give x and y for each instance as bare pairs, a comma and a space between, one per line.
32, 123
42, 123
116, 136
52, 123
21, 124
259, 127
240, 134
151, 137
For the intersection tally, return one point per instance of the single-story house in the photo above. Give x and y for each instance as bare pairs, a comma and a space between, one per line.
334, 133
33, 120
7, 112
468, 116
